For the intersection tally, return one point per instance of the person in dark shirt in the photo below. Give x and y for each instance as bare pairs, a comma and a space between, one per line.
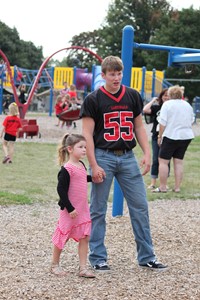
153, 109
112, 122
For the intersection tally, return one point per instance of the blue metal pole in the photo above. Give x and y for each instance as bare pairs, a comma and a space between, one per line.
127, 57
143, 82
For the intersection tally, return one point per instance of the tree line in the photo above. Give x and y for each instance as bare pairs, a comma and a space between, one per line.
154, 21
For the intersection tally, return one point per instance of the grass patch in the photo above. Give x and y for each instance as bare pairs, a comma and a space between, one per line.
10, 198
33, 175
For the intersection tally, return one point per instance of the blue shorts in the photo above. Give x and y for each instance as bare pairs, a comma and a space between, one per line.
173, 148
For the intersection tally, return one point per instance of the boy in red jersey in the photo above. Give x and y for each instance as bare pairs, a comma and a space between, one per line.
11, 127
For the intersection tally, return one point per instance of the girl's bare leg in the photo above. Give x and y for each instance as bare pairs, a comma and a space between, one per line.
83, 252
11, 149
55, 268
56, 255
5, 147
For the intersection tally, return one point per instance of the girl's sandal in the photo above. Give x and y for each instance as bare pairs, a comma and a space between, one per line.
57, 270
86, 273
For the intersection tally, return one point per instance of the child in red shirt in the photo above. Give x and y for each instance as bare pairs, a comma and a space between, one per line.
11, 127
58, 108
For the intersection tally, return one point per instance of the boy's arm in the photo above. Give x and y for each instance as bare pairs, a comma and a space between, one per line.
88, 125
142, 139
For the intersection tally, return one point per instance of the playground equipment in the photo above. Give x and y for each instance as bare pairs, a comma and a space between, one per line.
35, 80
71, 114
94, 79
29, 128
177, 56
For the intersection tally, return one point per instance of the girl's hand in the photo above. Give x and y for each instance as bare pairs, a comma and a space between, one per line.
98, 174
73, 214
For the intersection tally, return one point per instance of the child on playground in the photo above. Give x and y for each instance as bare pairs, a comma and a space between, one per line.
11, 127
58, 108
74, 217
66, 103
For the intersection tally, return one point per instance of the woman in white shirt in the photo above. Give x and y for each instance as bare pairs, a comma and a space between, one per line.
175, 135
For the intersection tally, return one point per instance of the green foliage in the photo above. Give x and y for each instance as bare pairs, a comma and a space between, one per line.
144, 15
154, 21
80, 58
180, 29
20, 53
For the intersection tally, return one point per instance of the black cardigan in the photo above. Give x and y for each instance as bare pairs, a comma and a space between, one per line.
63, 187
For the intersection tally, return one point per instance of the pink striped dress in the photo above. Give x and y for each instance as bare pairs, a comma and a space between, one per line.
79, 227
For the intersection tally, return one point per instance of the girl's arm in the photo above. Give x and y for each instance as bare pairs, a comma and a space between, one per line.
2, 132
62, 189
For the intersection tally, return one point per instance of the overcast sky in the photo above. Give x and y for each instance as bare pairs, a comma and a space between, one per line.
52, 24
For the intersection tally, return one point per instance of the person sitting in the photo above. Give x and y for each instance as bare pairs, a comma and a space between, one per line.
65, 90
72, 91
58, 108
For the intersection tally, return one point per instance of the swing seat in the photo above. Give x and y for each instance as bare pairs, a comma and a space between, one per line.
29, 128
70, 114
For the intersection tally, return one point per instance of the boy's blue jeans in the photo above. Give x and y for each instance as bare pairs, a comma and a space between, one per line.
126, 170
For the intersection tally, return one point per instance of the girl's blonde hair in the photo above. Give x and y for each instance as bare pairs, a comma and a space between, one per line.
58, 98
68, 140
13, 109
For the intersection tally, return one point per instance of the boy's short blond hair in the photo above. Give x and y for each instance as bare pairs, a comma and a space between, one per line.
175, 92
13, 109
112, 63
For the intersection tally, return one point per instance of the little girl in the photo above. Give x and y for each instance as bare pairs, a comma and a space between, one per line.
58, 108
74, 219
11, 127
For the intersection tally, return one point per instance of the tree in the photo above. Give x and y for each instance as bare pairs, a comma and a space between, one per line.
181, 29
144, 15
80, 58
20, 53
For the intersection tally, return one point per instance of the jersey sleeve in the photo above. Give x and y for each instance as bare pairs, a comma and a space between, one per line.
89, 107
62, 189
138, 103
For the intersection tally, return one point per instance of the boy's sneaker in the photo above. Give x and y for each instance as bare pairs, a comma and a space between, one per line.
6, 158
103, 267
154, 265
